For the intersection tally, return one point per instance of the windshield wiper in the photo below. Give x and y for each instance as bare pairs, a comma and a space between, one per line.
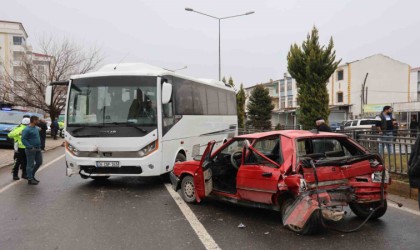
130, 124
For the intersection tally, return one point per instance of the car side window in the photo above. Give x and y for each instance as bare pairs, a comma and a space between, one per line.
324, 148
354, 123
270, 148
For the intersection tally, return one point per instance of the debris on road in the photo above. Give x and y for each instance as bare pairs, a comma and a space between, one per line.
241, 225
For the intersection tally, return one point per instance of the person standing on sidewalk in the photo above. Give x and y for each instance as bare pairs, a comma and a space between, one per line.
321, 125
414, 167
54, 128
386, 128
43, 132
32, 142
20, 159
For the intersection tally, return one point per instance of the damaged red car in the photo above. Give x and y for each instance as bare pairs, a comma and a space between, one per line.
309, 177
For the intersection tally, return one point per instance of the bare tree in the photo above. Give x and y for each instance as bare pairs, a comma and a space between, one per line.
57, 61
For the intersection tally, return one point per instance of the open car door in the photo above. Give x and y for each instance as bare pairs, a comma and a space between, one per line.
203, 179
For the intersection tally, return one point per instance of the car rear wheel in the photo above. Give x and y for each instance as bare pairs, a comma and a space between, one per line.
188, 189
363, 210
312, 226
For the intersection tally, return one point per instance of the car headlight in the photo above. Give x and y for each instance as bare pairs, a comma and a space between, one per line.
148, 149
377, 177
72, 149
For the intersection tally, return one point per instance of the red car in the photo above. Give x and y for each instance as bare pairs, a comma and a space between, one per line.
307, 176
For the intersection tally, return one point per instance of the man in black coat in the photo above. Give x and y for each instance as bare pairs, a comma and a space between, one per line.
414, 167
321, 125
42, 132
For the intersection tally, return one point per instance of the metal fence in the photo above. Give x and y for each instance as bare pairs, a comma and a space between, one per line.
395, 150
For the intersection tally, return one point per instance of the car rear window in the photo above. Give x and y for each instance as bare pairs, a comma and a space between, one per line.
367, 122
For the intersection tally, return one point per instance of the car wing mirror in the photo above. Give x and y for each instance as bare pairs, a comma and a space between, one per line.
197, 157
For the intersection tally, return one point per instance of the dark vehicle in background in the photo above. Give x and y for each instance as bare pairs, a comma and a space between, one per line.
335, 126
9, 119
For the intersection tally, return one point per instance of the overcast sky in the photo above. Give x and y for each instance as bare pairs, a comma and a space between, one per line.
254, 47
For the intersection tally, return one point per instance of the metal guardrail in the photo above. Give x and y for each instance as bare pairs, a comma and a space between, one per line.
395, 150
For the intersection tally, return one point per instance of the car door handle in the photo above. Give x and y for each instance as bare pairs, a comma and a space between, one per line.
267, 174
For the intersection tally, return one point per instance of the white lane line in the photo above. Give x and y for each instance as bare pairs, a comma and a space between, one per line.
408, 210
199, 229
39, 170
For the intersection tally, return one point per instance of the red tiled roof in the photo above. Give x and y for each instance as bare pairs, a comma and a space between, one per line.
39, 54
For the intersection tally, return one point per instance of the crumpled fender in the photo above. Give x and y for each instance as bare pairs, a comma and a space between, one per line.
300, 211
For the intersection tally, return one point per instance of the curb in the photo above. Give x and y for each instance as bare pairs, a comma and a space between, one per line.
11, 163
402, 189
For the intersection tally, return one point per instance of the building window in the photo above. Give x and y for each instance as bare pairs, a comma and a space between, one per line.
418, 96
289, 86
282, 103
340, 75
282, 87
289, 101
18, 40
339, 96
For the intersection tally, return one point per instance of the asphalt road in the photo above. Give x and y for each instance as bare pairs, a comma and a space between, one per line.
140, 213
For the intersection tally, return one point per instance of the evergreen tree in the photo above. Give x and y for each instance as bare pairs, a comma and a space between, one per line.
311, 65
259, 108
230, 82
224, 80
240, 106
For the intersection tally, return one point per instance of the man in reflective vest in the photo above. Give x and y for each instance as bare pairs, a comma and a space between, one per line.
20, 160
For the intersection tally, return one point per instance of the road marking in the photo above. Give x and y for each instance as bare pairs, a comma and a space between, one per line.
39, 170
199, 229
408, 210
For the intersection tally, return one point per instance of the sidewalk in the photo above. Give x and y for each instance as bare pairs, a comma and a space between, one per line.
6, 154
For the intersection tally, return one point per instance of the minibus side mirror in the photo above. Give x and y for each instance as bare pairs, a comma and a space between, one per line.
166, 92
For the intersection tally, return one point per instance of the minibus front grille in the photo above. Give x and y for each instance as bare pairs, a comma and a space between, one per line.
112, 170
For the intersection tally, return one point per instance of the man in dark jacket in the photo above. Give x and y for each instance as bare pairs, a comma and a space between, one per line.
321, 125
43, 132
414, 126
54, 128
414, 167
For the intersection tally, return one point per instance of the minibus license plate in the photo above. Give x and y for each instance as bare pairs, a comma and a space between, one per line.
112, 164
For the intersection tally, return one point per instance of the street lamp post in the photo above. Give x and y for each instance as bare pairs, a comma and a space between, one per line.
219, 19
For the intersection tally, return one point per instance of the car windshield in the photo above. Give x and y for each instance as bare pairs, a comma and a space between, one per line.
10, 117
113, 100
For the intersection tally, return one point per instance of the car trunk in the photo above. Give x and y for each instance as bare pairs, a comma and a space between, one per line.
332, 172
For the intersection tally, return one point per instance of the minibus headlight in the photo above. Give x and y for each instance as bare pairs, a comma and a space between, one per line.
148, 149
72, 149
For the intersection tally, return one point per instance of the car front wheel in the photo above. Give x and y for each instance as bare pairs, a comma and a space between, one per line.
188, 189
363, 210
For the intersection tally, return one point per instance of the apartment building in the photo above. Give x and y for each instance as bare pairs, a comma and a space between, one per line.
361, 88
14, 51
288, 101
